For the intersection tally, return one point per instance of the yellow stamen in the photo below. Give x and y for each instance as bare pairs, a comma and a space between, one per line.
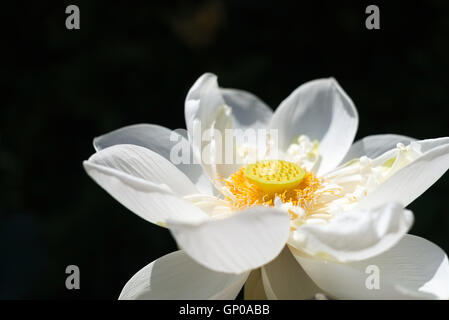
245, 191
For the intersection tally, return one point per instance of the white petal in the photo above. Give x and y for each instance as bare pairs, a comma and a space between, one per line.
321, 110
410, 182
248, 110
413, 269
253, 289
144, 182
215, 207
145, 164
176, 276
203, 101
284, 279
354, 235
162, 141
374, 146
205, 110
241, 242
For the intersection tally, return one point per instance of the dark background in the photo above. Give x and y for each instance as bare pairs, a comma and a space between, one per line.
133, 62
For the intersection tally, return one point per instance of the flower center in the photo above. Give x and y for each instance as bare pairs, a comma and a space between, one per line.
274, 176
262, 182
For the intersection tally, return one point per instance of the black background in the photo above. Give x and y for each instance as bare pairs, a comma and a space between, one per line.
133, 62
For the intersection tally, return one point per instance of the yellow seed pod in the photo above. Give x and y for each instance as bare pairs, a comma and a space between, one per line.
274, 176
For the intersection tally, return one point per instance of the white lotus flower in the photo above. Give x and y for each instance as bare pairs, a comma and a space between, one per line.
337, 208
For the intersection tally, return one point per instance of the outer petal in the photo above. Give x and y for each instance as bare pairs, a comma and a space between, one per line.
241, 242
248, 110
206, 112
354, 235
321, 110
209, 107
285, 279
177, 276
144, 182
413, 269
374, 146
411, 181
203, 101
253, 289
162, 141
